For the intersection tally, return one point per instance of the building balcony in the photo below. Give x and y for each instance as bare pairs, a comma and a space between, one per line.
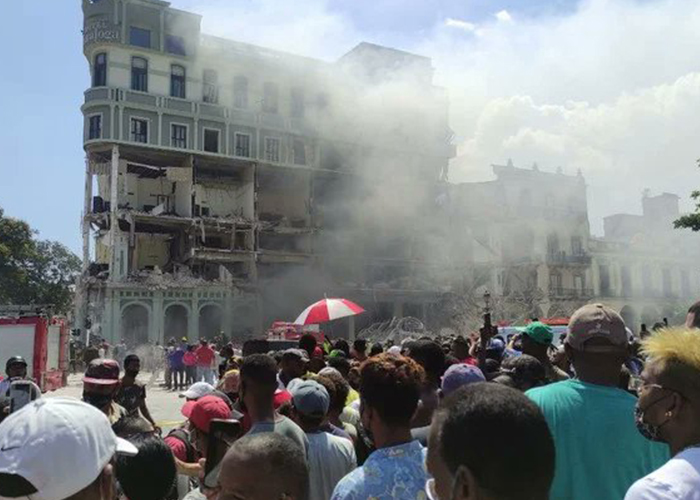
572, 293
159, 103
562, 258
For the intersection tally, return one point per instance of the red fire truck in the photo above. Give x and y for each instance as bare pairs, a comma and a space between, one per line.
41, 339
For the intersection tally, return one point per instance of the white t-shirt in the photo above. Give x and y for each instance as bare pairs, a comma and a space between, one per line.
330, 458
678, 479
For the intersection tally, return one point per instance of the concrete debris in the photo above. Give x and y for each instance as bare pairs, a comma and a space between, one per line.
395, 330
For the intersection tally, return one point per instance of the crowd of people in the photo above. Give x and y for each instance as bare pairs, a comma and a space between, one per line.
603, 416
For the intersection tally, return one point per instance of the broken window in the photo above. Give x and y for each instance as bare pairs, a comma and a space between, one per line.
178, 137
177, 81
240, 92
299, 152
272, 149
211, 140
242, 145
140, 37
95, 129
139, 130
99, 75
576, 245
270, 98
553, 245
211, 86
139, 74
175, 45
297, 107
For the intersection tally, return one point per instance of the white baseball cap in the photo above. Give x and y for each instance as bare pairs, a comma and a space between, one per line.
198, 390
59, 445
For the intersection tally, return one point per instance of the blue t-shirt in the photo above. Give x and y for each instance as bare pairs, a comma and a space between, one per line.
599, 451
175, 359
396, 472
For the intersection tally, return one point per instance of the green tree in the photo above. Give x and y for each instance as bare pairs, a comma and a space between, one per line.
690, 221
34, 271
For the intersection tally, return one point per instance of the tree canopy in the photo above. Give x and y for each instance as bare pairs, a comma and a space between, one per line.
33, 271
690, 221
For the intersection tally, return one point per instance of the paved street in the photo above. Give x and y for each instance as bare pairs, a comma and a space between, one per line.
164, 405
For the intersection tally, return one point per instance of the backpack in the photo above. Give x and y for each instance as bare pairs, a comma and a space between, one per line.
183, 436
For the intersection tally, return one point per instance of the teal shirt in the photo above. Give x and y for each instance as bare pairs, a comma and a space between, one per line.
599, 452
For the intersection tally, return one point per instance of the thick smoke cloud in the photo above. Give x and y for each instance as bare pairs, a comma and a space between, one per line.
609, 87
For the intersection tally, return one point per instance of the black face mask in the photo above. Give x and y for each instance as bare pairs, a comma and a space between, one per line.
649, 431
97, 400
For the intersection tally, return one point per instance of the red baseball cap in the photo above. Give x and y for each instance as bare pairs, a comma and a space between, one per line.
102, 372
206, 409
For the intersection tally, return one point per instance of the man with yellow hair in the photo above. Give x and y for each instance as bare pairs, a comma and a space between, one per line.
668, 411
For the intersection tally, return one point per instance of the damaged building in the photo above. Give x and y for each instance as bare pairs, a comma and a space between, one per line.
228, 185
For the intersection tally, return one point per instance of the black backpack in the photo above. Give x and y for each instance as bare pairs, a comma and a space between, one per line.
183, 436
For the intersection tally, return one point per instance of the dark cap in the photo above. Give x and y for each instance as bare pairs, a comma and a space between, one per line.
596, 321
296, 353
15, 360
102, 372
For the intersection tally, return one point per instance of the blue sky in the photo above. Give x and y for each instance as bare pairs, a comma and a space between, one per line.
607, 86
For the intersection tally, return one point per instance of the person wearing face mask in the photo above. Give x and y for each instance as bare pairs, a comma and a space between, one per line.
132, 394
489, 442
59, 449
668, 411
100, 385
599, 453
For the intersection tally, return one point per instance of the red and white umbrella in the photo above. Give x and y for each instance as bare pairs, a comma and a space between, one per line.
328, 310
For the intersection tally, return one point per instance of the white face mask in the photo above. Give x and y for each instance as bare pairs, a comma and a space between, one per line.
431, 491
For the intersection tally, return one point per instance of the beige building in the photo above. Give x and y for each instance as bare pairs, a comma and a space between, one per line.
228, 185
525, 237
643, 266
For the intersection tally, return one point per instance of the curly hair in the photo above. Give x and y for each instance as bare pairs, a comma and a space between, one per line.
391, 386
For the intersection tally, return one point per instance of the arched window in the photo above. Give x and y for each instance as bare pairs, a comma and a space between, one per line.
139, 74
177, 81
99, 72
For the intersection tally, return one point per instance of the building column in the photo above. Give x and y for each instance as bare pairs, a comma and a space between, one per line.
158, 318
116, 323
113, 218
227, 314
87, 209
193, 323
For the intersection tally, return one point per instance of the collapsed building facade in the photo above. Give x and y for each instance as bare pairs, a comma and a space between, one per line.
228, 185
527, 239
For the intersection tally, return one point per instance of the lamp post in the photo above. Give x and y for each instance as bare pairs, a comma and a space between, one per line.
487, 302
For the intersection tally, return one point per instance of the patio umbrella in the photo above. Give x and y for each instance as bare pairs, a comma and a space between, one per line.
327, 310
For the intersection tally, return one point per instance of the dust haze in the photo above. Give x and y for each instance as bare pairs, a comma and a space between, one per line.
610, 87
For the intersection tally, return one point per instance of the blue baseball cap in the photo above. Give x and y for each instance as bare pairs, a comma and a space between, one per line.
311, 398
458, 375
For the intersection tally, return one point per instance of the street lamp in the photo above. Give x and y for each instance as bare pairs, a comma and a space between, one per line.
487, 301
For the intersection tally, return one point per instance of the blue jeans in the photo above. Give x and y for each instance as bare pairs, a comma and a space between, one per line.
205, 373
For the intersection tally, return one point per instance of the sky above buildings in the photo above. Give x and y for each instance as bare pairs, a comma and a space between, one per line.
611, 87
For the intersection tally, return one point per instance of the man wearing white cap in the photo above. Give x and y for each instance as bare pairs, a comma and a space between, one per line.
197, 390
58, 449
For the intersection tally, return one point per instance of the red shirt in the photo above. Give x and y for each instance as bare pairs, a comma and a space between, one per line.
189, 359
205, 356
